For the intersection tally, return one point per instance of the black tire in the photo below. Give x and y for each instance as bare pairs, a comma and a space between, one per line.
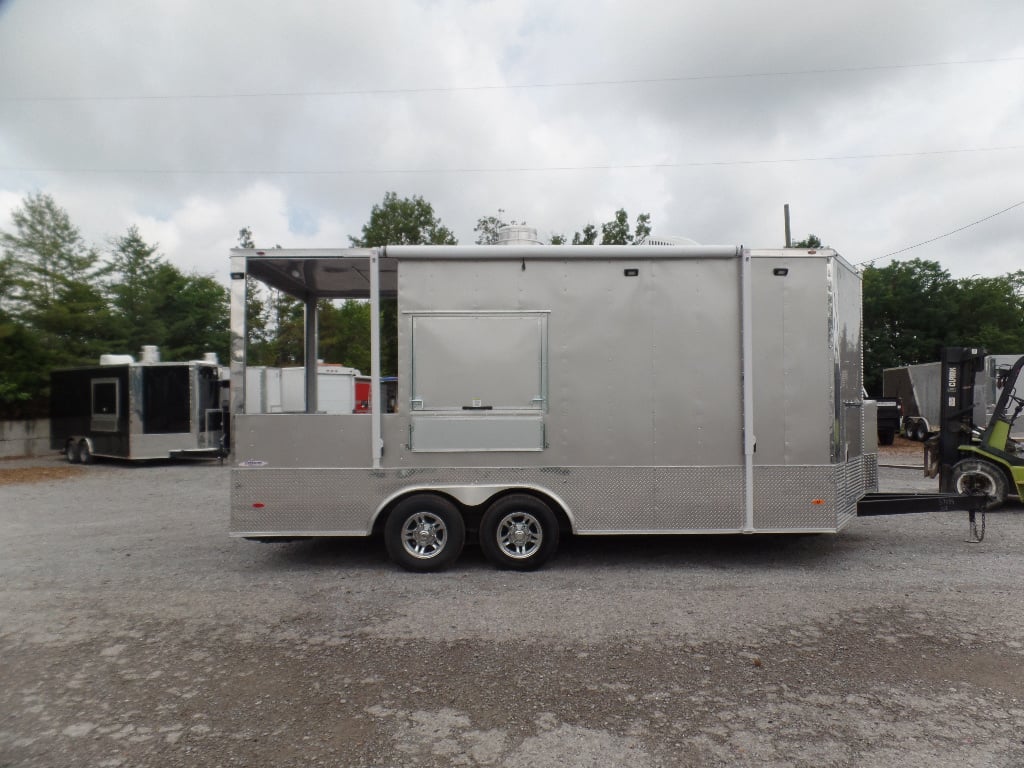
886, 437
424, 532
71, 452
980, 476
519, 532
84, 453
921, 432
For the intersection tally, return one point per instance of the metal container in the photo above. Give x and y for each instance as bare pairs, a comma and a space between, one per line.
682, 389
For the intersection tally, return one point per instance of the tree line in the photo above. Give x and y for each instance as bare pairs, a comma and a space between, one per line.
64, 302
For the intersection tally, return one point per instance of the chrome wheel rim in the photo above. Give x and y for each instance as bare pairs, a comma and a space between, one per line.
424, 535
520, 535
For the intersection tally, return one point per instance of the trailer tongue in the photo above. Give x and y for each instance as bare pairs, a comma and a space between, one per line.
877, 504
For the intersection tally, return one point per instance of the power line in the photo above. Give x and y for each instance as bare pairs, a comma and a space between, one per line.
947, 234
507, 169
506, 87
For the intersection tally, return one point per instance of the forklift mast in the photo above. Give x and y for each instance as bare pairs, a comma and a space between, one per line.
960, 365
996, 437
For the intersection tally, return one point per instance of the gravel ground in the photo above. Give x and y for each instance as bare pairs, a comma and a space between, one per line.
134, 632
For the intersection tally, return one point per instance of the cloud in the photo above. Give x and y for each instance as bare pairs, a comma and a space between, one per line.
739, 87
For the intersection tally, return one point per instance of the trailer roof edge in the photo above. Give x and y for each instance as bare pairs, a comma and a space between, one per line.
516, 252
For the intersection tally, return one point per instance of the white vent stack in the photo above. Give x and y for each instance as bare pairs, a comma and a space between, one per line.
670, 240
150, 354
210, 357
116, 359
517, 234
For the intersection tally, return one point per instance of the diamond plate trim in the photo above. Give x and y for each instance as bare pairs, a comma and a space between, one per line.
785, 497
600, 499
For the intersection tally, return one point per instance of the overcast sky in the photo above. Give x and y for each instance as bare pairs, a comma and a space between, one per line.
882, 124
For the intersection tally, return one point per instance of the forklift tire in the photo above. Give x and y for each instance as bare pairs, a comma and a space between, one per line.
519, 532
424, 532
980, 476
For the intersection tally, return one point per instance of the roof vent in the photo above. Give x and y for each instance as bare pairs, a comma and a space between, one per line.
517, 234
116, 360
150, 354
670, 240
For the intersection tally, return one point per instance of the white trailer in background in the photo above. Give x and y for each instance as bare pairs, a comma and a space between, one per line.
742, 411
336, 389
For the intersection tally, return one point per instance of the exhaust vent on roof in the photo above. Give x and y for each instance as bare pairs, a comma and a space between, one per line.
116, 359
670, 240
517, 234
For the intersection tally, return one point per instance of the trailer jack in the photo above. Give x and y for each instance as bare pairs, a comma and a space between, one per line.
877, 504
976, 535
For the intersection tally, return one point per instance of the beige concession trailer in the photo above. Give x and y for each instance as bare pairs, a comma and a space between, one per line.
553, 390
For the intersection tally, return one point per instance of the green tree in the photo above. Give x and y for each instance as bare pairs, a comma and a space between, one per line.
134, 263
588, 236
196, 308
487, 227
22, 380
256, 311
55, 284
811, 241
615, 232
909, 309
274, 320
345, 334
988, 312
405, 221
618, 232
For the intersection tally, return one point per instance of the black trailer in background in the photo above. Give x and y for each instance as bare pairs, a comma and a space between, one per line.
138, 411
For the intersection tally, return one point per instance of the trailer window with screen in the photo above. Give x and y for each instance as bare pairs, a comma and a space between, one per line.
482, 361
104, 405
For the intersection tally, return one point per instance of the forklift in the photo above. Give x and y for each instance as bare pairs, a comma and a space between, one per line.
976, 469
966, 459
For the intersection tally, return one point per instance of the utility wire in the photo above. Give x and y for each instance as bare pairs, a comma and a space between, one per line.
508, 87
939, 237
507, 169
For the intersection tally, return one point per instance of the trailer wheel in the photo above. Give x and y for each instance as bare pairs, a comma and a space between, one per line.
71, 452
424, 532
980, 476
84, 452
519, 532
921, 432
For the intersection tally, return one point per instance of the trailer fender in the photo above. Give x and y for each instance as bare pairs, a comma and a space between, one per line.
476, 496
84, 452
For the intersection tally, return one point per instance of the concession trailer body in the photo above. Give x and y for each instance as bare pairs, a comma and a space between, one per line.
123, 409
589, 389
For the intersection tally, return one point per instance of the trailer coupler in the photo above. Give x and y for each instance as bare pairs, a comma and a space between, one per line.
876, 504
